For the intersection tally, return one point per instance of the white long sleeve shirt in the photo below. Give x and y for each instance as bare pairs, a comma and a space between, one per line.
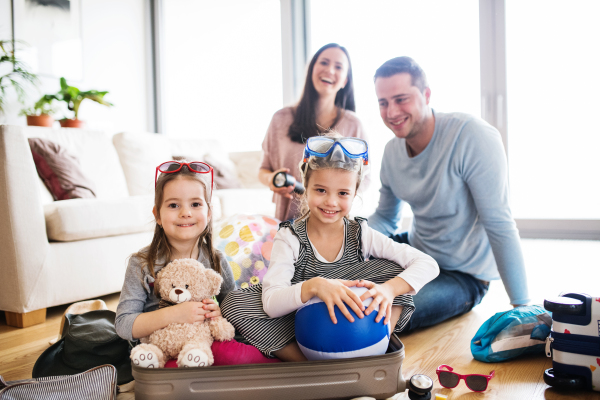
280, 297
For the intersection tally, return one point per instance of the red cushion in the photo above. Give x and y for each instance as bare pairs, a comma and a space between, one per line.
60, 170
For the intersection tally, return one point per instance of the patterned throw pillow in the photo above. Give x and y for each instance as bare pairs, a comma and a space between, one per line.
60, 170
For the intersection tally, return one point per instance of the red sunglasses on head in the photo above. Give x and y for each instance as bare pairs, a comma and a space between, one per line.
475, 382
199, 167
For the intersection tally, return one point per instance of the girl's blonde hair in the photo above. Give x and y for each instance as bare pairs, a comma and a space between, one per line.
306, 171
160, 248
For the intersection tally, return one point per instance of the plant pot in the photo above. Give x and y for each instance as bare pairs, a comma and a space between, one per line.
40, 120
71, 123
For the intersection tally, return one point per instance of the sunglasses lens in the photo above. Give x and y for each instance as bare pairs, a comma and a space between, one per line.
476, 383
448, 379
197, 167
354, 146
169, 166
319, 144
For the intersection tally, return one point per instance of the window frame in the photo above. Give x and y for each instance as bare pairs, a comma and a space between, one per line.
492, 37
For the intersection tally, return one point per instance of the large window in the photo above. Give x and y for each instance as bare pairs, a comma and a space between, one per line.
442, 36
535, 79
553, 85
222, 73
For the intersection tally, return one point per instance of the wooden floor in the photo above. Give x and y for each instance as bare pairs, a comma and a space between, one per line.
559, 267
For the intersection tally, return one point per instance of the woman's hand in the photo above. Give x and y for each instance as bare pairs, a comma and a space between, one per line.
334, 292
188, 312
383, 296
211, 309
285, 191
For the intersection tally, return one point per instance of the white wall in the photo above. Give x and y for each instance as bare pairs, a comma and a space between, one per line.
115, 58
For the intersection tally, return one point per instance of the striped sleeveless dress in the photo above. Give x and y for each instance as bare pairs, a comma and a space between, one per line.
244, 308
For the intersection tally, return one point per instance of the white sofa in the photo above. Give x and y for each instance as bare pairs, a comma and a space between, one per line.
59, 252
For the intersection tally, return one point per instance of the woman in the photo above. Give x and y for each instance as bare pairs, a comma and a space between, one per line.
326, 103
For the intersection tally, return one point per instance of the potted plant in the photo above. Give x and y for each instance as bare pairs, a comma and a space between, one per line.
73, 97
13, 74
41, 112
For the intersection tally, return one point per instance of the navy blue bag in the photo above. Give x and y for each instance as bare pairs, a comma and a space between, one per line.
509, 334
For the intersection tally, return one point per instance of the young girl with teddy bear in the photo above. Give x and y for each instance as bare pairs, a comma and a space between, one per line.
183, 213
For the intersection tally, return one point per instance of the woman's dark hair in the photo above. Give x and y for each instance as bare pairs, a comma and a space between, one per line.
305, 115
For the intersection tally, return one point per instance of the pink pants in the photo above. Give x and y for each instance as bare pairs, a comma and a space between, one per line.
233, 353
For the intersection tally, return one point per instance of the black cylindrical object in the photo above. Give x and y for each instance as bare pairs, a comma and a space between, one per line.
282, 179
419, 387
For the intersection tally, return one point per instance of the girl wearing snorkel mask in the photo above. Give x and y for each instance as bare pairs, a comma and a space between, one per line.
323, 253
327, 102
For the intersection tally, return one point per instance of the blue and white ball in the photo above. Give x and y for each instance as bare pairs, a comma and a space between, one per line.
321, 339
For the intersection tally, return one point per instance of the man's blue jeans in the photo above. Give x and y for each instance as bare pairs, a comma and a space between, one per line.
450, 294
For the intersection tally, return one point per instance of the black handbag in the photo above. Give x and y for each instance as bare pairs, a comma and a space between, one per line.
88, 340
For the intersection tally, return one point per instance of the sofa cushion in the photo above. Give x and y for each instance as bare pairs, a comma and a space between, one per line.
212, 152
226, 176
140, 153
97, 156
60, 170
81, 219
246, 201
45, 195
197, 149
247, 165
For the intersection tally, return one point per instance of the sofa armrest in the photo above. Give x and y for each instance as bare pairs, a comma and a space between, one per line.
23, 242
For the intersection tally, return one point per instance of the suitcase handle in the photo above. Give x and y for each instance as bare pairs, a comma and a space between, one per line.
565, 305
563, 381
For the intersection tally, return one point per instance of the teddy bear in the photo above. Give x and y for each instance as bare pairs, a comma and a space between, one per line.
184, 280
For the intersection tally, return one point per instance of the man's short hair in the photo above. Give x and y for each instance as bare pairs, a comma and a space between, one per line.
401, 65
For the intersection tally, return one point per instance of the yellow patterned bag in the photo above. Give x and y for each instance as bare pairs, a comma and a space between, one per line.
246, 241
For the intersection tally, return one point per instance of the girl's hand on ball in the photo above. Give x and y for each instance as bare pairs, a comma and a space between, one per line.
335, 292
383, 296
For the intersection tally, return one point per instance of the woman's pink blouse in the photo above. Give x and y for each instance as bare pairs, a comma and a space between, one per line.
280, 152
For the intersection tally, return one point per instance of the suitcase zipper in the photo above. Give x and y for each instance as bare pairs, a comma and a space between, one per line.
549, 341
574, 346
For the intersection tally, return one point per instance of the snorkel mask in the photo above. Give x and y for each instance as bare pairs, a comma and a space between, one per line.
321, 152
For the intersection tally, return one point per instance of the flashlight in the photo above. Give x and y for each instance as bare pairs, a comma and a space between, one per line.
282, 179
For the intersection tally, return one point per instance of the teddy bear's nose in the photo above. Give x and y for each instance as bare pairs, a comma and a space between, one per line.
178, 291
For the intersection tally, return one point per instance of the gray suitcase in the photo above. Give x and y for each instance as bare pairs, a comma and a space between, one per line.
375, 376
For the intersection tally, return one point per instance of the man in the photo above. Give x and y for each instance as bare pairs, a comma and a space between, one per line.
451, 169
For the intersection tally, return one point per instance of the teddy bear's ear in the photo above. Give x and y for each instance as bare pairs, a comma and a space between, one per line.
214, 281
